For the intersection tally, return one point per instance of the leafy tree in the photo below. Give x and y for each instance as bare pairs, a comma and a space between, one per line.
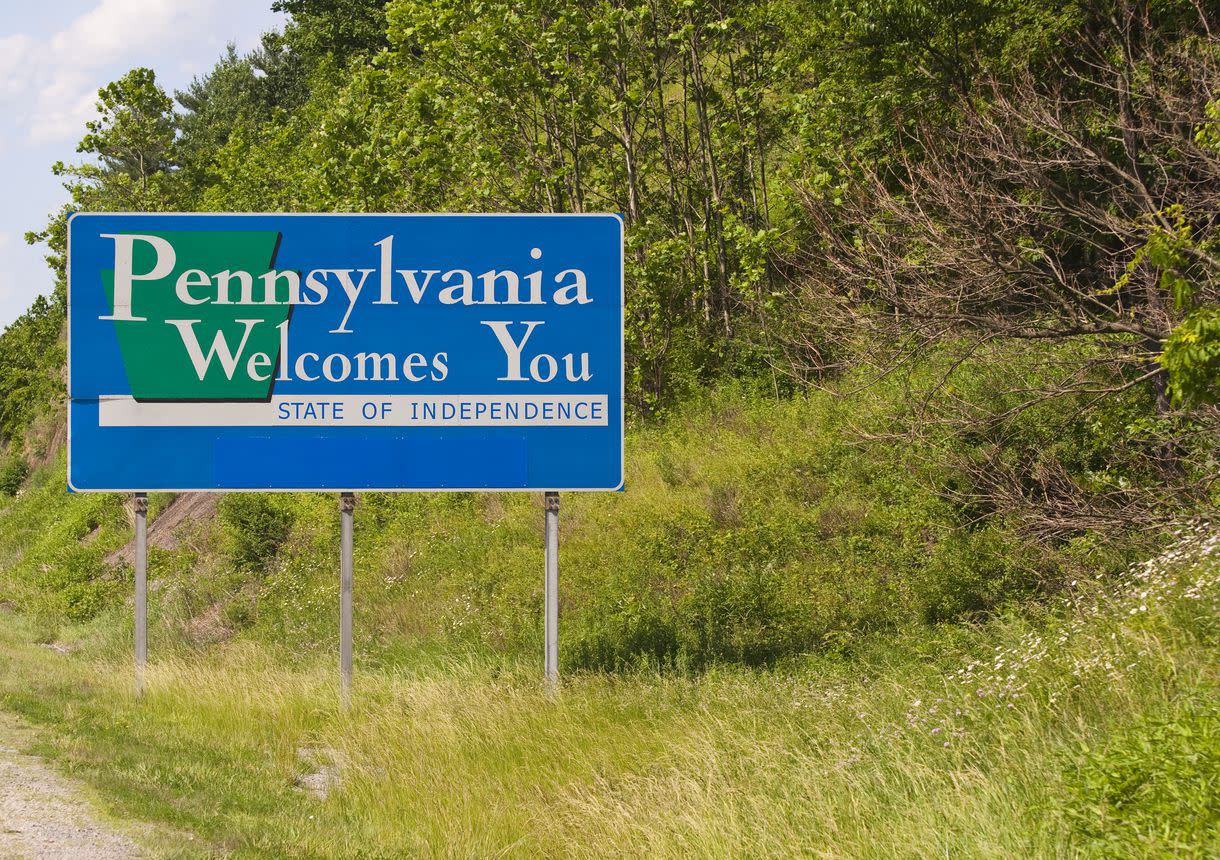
240, 93
133, 138
334, 29
1192, 358
31, 363
1073, 211
214, 106
1192, 351
134, 132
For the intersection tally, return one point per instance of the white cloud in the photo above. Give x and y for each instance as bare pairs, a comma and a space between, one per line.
10, 292
61, 108
54, 55
62, 72
114, 27
133, 31
16, 58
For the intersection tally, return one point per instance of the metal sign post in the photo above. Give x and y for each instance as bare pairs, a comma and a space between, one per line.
347, 508
141, 512
551, 590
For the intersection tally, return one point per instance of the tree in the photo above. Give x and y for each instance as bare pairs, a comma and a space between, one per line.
134, 132
1192, 352
335, 29
31, 363
239, 94
1070, 207
133, 137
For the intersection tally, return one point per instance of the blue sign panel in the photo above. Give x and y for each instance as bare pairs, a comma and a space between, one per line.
345, 352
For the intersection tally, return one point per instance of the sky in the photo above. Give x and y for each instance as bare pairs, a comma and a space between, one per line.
54, 56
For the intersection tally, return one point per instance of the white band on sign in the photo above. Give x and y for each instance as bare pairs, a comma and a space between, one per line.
355, 410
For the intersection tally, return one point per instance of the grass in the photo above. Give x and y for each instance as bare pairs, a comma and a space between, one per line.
782, 640
992, 741
752, 532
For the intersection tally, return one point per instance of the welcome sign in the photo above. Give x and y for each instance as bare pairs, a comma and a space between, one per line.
345, 352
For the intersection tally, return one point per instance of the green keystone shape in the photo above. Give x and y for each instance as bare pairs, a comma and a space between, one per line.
154, 355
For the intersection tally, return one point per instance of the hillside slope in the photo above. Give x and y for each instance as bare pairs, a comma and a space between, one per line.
752, 531
785, 636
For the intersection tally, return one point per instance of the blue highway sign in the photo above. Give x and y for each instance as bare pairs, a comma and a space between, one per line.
345, 352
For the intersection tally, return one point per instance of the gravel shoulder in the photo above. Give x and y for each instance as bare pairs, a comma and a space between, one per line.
45, 816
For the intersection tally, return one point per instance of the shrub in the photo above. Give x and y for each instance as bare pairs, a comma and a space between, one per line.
256, 524
13, 472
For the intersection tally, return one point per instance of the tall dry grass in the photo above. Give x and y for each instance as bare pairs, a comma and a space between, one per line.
959, 745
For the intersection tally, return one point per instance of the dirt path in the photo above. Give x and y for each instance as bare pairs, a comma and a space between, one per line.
44, 816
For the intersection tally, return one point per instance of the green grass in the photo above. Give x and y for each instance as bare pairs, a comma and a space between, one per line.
753, 531
1013, 738
782, 640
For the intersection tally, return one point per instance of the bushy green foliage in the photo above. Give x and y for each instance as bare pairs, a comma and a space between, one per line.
255, 524
1154, 789
54, 548
752, 530
1192, 351
13, 472
31, 363
1192, 357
